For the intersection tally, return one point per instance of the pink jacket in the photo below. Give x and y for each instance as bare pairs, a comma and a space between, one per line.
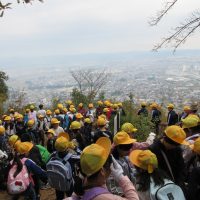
140, 146
127, 187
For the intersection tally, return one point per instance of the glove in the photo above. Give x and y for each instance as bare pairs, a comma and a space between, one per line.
3, 155
116, 169
151, 138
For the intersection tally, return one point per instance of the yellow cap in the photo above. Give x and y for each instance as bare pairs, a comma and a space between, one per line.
154, 105
103, 116
27, 110
65, 110
13, 139
11, 110
31, 122
90, 105
72, 145
101, 121
2, 130
16, 145
128, 128
61, 144
54, 121
75, 125
87, 120
80, 105
69, 102
170, 106
119, 104
196, 146
16, 115
186, 108
41, 116
100, 103
64, 134
122, 138
177, 134
19, 116
32, 107
144, 159
109, 105
190, 121
7, 118
72, 106
79, 116
24, 147
57, 111
105, 110
95, 156
73, 110
48, 112
143, 104
115, 106
60, 106
51, 131
106, 102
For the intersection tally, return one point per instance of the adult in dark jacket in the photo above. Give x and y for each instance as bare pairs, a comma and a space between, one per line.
155, 117
20, 126
172, 117
143, 111
168, 149
86, 131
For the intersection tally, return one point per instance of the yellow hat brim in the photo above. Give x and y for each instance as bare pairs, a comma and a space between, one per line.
191, 146
134, 129
134, 157
185, 143
63, 134
129, 141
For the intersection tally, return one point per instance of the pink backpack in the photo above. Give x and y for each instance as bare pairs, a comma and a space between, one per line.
21, 182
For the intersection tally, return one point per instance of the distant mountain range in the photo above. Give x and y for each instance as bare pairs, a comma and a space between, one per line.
101, 59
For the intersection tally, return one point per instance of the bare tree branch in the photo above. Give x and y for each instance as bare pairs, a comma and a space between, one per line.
160, 14
91, 81
3, 7
180, 33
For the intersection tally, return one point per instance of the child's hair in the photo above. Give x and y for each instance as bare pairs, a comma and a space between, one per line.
143, 178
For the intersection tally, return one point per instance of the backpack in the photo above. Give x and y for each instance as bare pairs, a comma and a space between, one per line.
93, 192
169, 191
59, 173
20, 183
44, 153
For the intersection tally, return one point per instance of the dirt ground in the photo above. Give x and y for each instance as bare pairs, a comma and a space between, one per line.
48, 194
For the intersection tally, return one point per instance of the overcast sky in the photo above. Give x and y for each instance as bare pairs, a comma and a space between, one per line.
87, 26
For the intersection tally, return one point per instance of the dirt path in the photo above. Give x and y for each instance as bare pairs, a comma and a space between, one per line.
48, 194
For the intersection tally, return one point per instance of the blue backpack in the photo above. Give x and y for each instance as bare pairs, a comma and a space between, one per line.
59, 173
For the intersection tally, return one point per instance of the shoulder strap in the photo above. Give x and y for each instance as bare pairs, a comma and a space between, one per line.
93, 192
66, 158
168, 165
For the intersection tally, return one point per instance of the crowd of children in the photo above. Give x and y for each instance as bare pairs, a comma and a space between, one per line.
73, 151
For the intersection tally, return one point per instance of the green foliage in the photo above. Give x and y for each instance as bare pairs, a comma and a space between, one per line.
102, 95
142, 123
54, 103
78, 97
3, 89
